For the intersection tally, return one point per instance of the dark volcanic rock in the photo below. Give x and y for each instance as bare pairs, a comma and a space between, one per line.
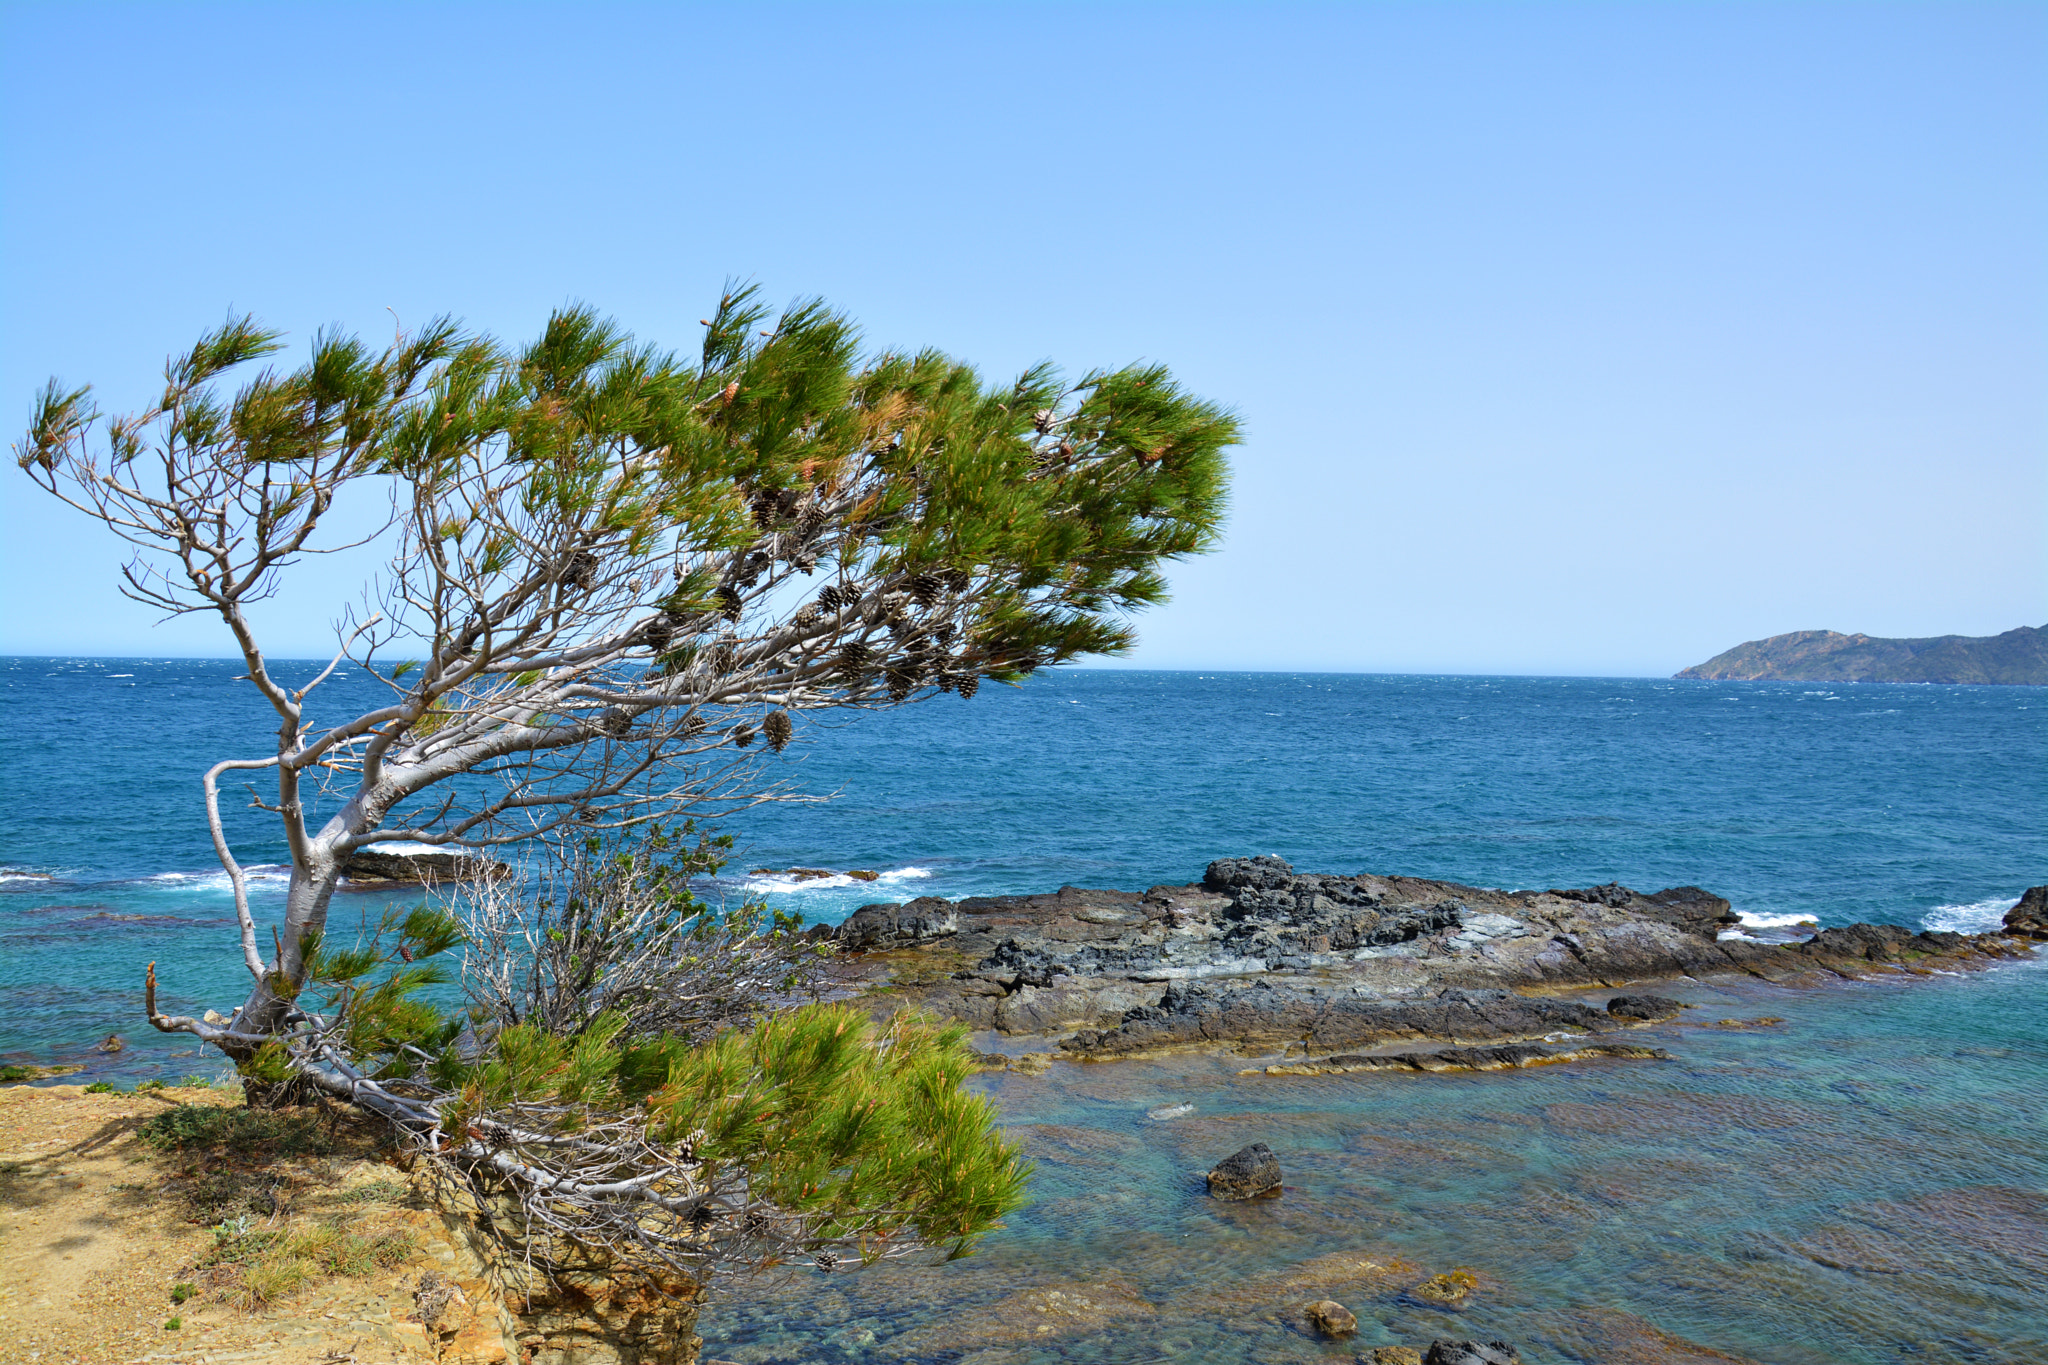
894, 926
1648, 1009
1445, 1352
417, 867
1267, 1012
1247, 1173
1874, 943
2029, 919
1683, 907
1691, 909
1257, 954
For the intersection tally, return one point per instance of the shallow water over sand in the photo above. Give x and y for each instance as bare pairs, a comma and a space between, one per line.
1865, 1182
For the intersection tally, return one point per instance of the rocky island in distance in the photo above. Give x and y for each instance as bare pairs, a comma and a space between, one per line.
2016, 658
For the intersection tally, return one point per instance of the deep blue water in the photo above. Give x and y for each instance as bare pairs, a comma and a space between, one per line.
1911, 804
1867, 1182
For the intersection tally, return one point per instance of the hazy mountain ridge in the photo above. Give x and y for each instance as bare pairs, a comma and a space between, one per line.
2018, 657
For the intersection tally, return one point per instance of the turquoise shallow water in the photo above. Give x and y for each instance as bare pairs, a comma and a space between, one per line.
1864, 1182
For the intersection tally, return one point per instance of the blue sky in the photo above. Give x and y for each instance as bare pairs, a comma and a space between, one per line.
1568, 338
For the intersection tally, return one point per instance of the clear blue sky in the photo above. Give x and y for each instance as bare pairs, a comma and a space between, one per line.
1569, 338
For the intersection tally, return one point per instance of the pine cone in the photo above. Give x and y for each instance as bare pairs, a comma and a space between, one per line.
1042, 420
777, 729
729, 603
743, 735
926, 587
807, 615
901, 681
853, 660
659, 633
615, 722
762, 505
968, 685
829, 597
958, 579
580, 572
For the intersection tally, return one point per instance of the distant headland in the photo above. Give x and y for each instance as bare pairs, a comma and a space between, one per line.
2018, 657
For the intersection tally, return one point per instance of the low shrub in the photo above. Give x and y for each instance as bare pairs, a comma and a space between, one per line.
264, 1132
254, 1268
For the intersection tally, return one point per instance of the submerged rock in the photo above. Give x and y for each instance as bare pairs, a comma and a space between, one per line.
1249, 1173
1391, 1355
1448, 1290
1506, 1057
1331, 1318
1446, 1352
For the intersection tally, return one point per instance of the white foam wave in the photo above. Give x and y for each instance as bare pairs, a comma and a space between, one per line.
408, 846
218, 881
1978, 917
1752, 920
25, 877
905, 874
783, 883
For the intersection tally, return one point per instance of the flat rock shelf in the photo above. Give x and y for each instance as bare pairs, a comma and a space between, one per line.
1256, 957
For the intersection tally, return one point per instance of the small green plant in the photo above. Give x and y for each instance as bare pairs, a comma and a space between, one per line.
373, 1192
196, 1083
10, 1074
101, 1088
252, 1268
148, 1086
182, 1292
186, 1127
173, 1324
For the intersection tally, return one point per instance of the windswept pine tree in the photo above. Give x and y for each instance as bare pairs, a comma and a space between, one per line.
615, 580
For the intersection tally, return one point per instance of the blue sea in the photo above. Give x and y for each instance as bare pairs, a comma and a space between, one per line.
1866, 1181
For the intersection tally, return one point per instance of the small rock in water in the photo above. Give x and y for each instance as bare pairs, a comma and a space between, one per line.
114, 1043
1391, 1355
1647, 1008
1170, 1111
1332, 1319
1448, 1290
1445, 1352
1249, 1173
1032, 1063
861, 874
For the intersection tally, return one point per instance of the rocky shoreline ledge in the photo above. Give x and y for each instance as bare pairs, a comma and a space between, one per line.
1258, 958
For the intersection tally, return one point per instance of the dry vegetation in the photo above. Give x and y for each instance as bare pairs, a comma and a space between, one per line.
176, 1225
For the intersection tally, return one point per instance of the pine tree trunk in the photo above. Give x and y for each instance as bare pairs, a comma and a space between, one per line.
306, 903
